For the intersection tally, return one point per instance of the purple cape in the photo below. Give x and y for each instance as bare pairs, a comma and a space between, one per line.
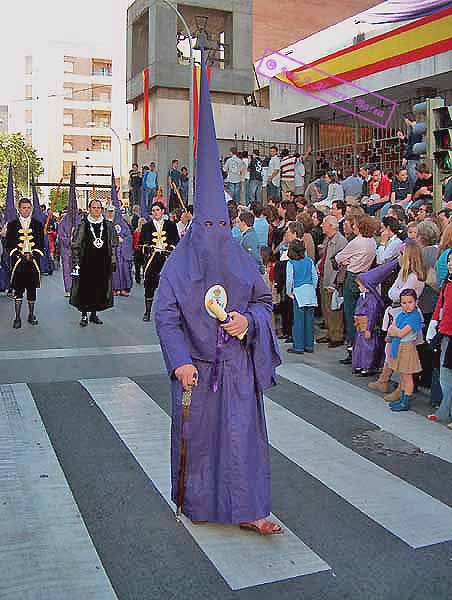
122, 277
67, 225
228, 471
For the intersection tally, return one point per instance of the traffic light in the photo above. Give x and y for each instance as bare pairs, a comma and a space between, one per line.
443, 139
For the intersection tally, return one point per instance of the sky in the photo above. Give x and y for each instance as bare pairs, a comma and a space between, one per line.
26, 23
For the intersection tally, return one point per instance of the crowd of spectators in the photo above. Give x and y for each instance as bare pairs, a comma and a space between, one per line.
360, 260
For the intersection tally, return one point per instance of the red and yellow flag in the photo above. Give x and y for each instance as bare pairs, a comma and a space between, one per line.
414, 41
146, 107
196, 91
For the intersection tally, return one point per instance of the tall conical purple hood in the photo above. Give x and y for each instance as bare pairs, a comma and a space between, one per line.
37, 214
115, 202
209, 201
119, 223
373, 278
10, 207
71, 219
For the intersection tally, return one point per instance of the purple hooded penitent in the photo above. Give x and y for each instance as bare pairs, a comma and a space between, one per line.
122, 278
10, 207
46, 262
66, 227
368, 353
228, 472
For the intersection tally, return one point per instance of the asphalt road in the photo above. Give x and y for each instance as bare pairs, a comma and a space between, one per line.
365, 495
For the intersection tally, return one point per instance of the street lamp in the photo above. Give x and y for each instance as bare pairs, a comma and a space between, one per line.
191, 136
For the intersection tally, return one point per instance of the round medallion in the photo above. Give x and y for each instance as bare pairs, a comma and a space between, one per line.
218, 294
98, 243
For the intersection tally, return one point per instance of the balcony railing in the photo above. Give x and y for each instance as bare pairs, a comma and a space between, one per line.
102, 72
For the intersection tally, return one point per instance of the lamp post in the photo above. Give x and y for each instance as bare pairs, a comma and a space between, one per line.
191, 136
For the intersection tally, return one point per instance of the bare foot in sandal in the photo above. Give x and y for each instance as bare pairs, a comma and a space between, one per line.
262, 526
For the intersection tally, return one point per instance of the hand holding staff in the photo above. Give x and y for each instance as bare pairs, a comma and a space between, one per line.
237, 329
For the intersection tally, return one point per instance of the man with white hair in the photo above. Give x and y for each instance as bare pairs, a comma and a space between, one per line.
328, 270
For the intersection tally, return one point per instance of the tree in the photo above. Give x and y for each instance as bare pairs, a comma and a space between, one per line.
14, 149
60, 203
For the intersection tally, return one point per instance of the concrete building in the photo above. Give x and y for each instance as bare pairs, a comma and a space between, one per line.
4, 118
155, 39
74, 112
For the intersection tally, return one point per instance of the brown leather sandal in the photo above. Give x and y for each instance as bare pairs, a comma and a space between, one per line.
266, 528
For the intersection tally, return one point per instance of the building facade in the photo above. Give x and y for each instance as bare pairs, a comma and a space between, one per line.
156, 40
74, 112
4, 118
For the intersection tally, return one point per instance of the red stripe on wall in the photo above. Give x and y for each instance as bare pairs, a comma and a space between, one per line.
382, 65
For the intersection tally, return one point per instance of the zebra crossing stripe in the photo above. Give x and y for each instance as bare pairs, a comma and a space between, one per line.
396, 505
243, 560
45, 548
410, 426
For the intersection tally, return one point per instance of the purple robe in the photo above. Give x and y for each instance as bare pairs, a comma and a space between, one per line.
227, 477
122, 277
368, 354
64, 241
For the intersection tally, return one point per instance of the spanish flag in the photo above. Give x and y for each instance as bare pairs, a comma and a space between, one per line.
414, 41
196, 91
146, 107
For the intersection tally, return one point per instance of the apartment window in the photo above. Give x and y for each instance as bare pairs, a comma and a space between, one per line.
29, 131
28, 115
68, 118
68, 66
101, 119
67, 144
101, 144
67, 167
28, 92
101, 68
68, 92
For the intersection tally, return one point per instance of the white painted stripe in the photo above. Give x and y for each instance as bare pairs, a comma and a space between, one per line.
77, 352
399, 507
413, 428
242, 559
45, 548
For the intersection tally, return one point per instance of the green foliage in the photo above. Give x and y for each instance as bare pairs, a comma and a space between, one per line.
61, 202
14, 149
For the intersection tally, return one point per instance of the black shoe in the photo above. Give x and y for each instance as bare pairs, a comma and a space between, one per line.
146, 317
95, 319
84, 322
32, 320
365, 373
293, 351
346, 361
335, 344
288, 340
309, 350
17, 324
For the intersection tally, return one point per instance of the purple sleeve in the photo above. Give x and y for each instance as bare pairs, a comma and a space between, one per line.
168, 321
374, 313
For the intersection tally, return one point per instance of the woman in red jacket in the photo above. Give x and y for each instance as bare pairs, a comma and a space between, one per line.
442, 322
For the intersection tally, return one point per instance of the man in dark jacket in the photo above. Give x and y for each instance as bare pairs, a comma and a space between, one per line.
94, 257
157, 240
25, 245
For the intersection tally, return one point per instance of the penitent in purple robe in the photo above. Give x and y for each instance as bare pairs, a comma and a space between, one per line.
66, 227
227, 478
122, 280
369, 354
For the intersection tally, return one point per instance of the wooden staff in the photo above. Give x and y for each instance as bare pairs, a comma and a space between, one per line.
179, 197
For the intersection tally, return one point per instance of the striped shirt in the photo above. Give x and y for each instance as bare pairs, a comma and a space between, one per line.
288, 168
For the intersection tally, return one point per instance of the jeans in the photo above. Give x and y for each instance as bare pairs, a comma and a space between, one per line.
444, 412
303, 327
255, 191
411, 166
149, 194
351, 295
273, 191
234, 190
